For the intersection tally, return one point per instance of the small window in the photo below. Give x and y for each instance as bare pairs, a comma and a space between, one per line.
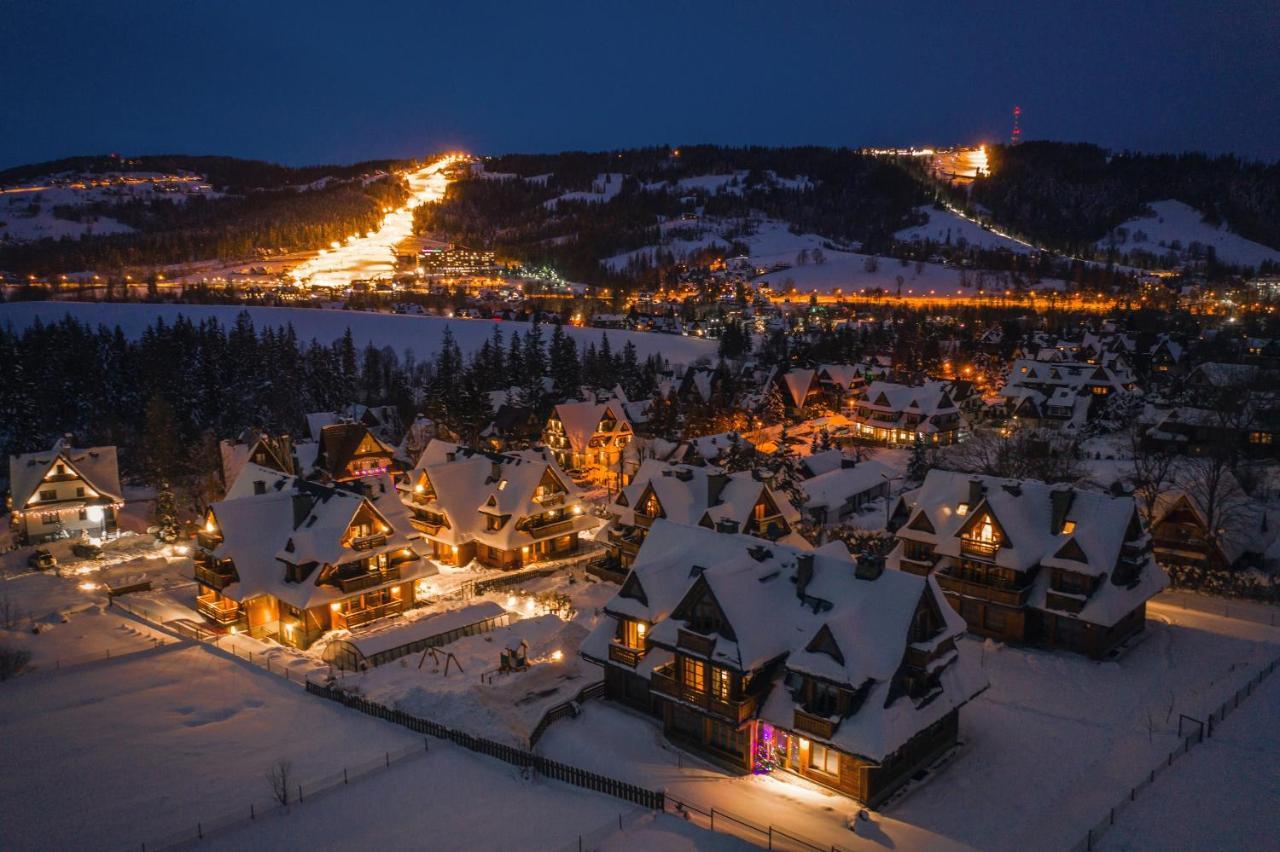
962, 509
49, 494
695, 675
80, 491
823, 759
720, 683
1069, 527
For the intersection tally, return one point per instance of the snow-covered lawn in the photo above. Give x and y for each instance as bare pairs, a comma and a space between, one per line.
1220, 795
114, 754
421, 334
1054, 742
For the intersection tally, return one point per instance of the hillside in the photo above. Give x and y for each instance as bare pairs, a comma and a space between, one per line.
1070, 197
106, 213
619, 215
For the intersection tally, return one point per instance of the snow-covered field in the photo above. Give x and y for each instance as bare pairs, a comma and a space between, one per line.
112, 755
421, 334
1175, 222
1054, 742
1221, 795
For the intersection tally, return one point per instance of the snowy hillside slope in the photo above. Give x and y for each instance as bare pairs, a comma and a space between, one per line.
1175, 227
947, 228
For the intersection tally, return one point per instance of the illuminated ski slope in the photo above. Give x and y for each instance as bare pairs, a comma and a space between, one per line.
371, 255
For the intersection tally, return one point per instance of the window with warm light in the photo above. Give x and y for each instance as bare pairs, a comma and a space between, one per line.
1069, 527
694, 674
720, 683
988, 532
823, 759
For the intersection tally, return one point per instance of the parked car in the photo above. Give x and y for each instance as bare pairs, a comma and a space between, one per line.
42, 559
85, 550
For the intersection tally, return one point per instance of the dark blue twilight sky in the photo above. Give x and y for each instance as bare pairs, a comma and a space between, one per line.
317, 81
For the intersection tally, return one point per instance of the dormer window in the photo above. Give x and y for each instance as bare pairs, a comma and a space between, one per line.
962, 509
1069, 527
502, 485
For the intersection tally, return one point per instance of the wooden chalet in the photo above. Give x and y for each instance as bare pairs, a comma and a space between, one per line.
502, 510
1029, 563
891, 413
766, 657
697, 495
347, 452
588, 439
64, 492
288, 559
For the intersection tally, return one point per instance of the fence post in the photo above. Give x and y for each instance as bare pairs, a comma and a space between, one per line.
200, 831
344, 775
299, 792
388, 758
252, 814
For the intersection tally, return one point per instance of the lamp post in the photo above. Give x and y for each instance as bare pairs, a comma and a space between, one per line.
887, 479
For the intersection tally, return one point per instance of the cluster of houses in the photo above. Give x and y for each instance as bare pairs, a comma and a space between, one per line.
737, 629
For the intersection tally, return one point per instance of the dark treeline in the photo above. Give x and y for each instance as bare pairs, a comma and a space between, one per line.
849, 198
243, 223
1069, 196
167, 397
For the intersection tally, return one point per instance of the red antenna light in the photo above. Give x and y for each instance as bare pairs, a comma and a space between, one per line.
1016, 137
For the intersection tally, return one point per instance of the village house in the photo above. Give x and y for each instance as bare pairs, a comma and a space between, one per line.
382, 420
502, 510
1064, 394
771, 658
64, 492
589, 439
697, 495
1180, 529
255, 446
890, 413
288, 559
347, 452
834, 496
1029, 563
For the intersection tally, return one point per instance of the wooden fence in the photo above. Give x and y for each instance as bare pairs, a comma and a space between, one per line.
568, 708
654, 800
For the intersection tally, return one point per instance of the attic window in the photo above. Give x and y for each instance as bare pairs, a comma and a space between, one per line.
1068, 527
962, 509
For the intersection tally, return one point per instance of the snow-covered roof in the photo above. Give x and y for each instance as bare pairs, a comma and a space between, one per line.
777, 600
579, 420
833, 489
1035, 524
692, 494
95, 465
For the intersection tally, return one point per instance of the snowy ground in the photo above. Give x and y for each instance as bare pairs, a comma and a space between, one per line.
1047, 750
1220, 795
1175, 222
421, 334
151, 743
473, 696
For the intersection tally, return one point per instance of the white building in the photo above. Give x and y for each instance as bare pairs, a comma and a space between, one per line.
64, 492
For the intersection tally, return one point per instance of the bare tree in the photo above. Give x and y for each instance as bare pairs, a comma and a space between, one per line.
12, 661
1026, 454
1153, 469
8, 613
278, 777
1209, 482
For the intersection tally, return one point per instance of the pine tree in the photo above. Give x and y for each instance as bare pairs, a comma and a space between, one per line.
918, 462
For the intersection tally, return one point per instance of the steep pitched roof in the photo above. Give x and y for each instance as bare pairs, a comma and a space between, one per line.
96, 466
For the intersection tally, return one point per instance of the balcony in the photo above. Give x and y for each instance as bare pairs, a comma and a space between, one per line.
224, 612
919, 658
369, 542
985, 550
1065, 601
215, 578
695, 642
368, 580
359, 617
996, 594
818, 726
642, 520
207, 540
556, 499
550, 528
624, 655
664, 682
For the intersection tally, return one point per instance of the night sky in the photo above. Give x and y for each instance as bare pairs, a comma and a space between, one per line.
307, 82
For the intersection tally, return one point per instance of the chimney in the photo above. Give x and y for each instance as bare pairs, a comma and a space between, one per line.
715, 485
868, 567
684, 474
259, 486
804, 573
727, 525
976, 490
1060, 500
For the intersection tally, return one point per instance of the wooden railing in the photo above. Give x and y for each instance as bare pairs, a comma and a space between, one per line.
643, 520
223, 612
369, 580
819, 726
664, 682
979, 549
626, 656
373, 613
1065, 602
215, 578
1011, 597
550, 528
368, 542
